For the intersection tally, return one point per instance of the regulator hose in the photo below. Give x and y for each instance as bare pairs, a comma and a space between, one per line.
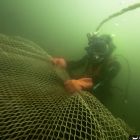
124, 10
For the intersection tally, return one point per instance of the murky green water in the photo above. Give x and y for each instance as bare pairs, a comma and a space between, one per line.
61, 26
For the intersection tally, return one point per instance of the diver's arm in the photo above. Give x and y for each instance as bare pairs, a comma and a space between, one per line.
74, 85
76, 64
69, 65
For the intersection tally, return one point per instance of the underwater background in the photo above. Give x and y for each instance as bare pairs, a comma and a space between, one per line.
60, 27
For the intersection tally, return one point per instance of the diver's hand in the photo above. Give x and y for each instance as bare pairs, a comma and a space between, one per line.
59, 62
78, 85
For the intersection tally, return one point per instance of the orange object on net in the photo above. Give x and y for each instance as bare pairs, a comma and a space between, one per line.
59, 62
78, 85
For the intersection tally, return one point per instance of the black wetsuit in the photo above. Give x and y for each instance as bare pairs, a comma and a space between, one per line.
101, 73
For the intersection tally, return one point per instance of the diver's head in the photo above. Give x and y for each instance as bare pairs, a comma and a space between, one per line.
99, 47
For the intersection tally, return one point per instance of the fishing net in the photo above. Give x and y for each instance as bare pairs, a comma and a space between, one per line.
35, 105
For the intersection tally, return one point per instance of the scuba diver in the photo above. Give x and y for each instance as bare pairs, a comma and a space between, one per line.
97, 67
94, 71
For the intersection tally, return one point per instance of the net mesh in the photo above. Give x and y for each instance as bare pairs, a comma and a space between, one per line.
35, 105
